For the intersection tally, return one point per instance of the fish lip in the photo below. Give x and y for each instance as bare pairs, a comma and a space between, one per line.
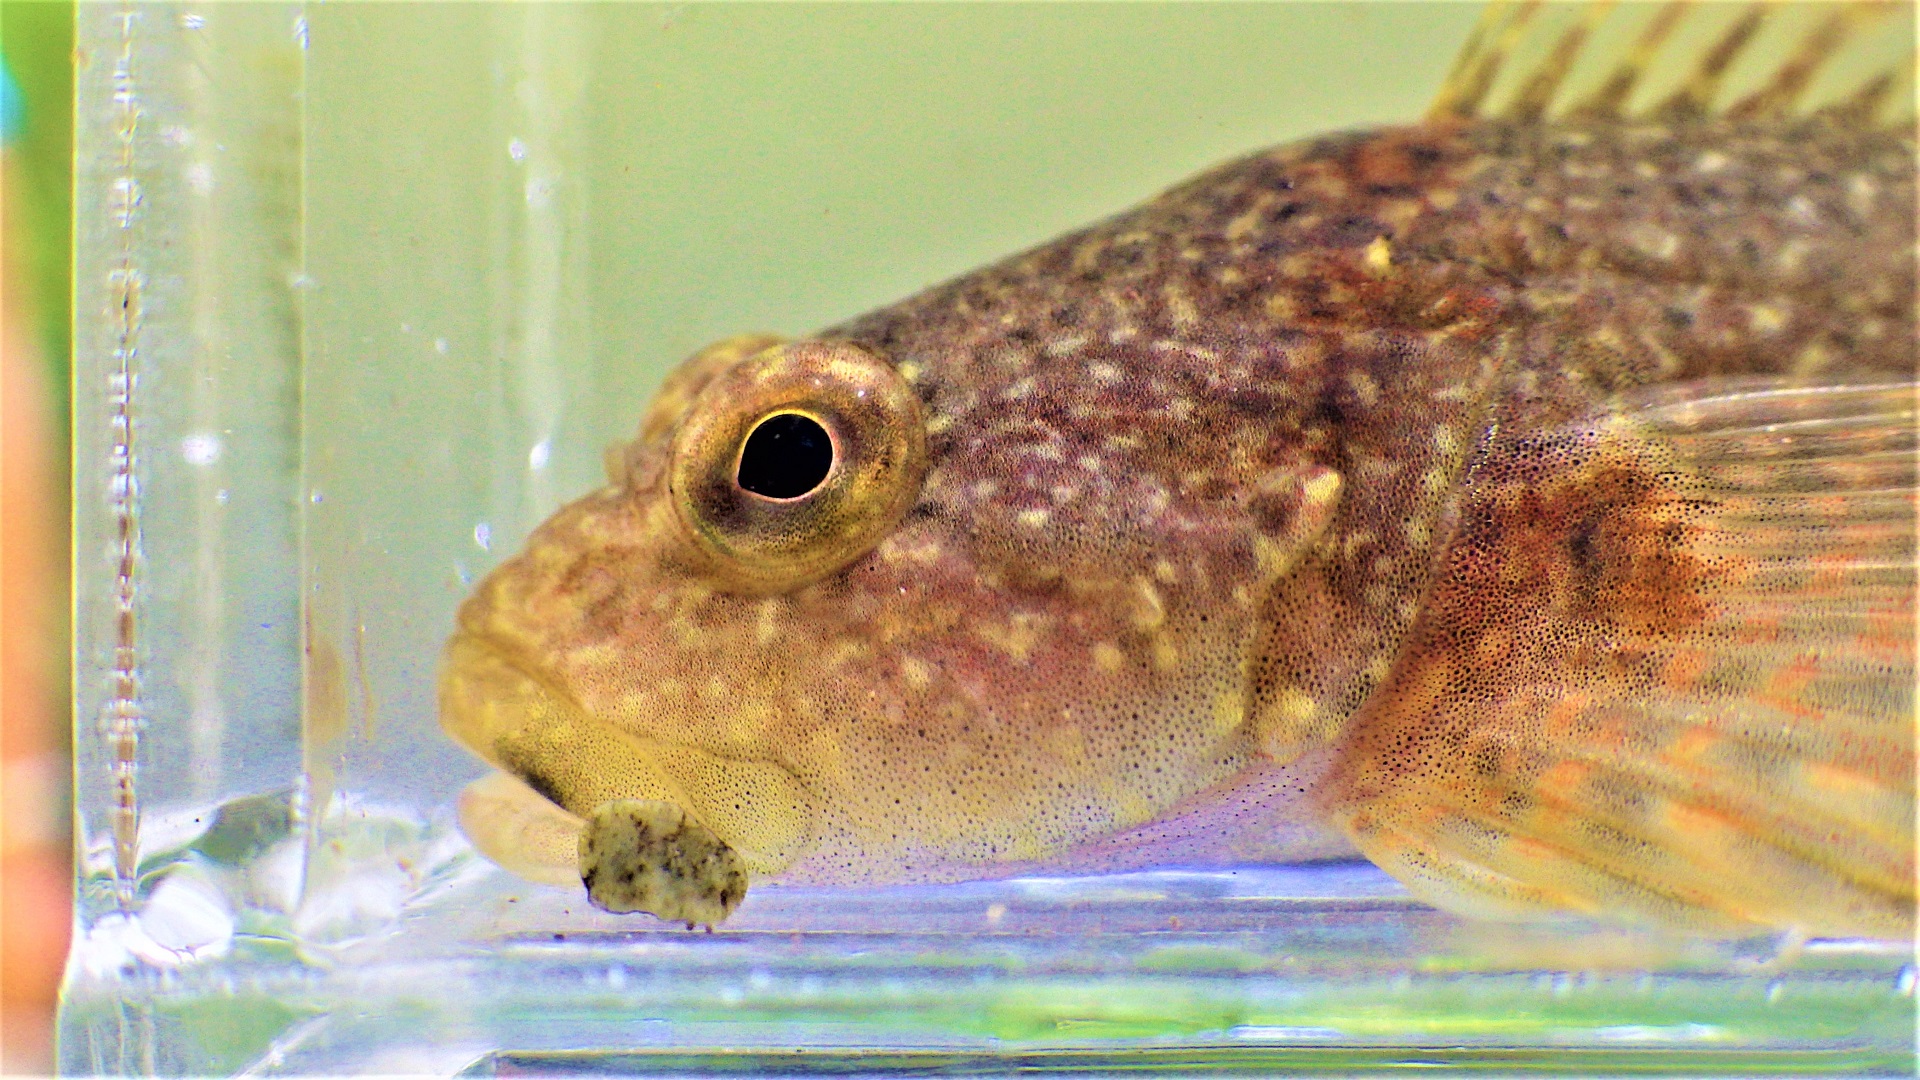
465, 657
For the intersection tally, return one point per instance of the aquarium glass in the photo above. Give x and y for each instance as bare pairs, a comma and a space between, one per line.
363, 291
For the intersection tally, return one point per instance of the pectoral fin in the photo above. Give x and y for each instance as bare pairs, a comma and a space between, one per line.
518, 830
1667, 673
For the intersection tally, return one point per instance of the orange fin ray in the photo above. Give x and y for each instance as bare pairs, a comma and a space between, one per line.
1667, 672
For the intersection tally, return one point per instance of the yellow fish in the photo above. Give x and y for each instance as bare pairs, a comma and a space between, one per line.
1523, 497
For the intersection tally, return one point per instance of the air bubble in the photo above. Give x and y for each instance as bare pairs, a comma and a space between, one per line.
200, 449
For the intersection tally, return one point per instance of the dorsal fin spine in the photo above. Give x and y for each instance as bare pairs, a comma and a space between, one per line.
1611, 99
1787, 84
1491, 51
1864, 104
1535, 97
1695, 98
1446, 104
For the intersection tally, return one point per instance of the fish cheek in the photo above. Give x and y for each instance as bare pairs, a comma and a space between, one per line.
1033, 719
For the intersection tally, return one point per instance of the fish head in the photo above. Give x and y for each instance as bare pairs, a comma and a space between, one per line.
869, 625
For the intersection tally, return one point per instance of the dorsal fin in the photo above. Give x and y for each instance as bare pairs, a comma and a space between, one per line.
1529, 61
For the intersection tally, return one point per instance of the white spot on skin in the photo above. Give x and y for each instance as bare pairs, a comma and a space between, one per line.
1321, 489
1148, 612
1295, 706
1862, 192
1766, 319
1791, 256
1379, 257
766, 628
1654, 242
541, 453
1364, 387
1165, 656
1180, 308
483, 536
916, 673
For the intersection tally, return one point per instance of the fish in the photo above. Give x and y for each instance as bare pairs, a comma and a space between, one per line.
1521, 498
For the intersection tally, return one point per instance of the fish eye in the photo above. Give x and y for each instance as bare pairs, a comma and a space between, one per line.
786, 456
793, 462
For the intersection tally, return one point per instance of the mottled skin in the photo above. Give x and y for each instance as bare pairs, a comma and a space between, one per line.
1196, 478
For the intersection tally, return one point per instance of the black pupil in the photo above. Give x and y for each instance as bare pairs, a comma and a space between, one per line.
786, 456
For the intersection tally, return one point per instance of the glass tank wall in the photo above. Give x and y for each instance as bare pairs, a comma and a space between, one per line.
363, 291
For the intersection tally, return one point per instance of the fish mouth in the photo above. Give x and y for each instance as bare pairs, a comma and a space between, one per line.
512, 715
502, 710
